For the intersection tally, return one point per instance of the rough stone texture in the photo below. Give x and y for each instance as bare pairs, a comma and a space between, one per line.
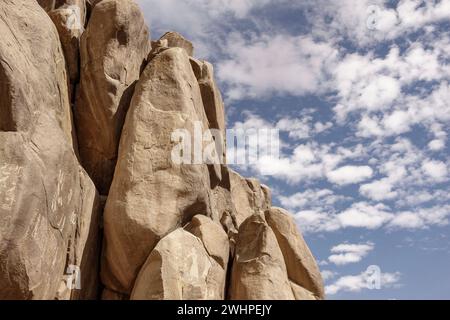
48, 205
171, 230
69, 17
248, 197
301, 293
113, 49
179, 268
259, 271
215, 112
301, 265
176, 40
151, 195
213, 237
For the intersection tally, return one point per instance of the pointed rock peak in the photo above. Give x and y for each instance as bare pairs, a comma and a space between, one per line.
174, 39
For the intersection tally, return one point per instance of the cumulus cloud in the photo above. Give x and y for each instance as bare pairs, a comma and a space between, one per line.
347, 253
437, 170
328, 274
324, 198
362, 281
350, 174
265, 65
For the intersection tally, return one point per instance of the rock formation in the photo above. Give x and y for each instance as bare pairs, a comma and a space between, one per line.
88, 102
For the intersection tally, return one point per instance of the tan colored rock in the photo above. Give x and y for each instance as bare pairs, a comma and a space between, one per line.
259, 271
301, 293
176, 40
215, 112
248, 197
213, 237
179, 268
151, 195
48, 205
69, 18
301, 265
113, 49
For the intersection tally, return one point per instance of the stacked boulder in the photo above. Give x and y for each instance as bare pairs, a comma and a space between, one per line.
169, 230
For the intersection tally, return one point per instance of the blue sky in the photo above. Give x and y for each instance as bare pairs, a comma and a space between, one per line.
360, 91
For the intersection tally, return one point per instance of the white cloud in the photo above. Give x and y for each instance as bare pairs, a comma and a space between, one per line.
350, 174
328, 275
297, 128
436, 145
349, 253
280, 64
437, 170
324, 198
367, 22
421, 218
364, 215
378, 190
362, 281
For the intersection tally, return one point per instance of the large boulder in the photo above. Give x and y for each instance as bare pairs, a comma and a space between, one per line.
176, 40
249, 196
301, 264
259, 271
151, 194
179, 268
213, 237
69, 17
49, 206
113, 50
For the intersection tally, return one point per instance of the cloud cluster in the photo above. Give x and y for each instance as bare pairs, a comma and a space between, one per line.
362, 281
346, 253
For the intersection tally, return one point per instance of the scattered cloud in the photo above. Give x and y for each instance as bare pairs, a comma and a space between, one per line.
350, 175
346, 253
267, 65
328, 275
362, 281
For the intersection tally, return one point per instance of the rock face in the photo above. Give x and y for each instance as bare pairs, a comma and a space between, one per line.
176, 224
301, 265
259, 271
49, 213
151, 196
113, 49
179, 268
249, 197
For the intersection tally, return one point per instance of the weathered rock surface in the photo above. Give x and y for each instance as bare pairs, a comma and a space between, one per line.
176, 225
176, 40
259, 271
113, 49
151, 195
179, 268
301, 265
48, 206
248, 196
213, 237
69, 17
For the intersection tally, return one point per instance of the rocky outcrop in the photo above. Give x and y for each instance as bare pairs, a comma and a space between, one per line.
249, 196
151, 195
175, 225
49, 214
180, 268
259, 271
301, 266
113, 50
